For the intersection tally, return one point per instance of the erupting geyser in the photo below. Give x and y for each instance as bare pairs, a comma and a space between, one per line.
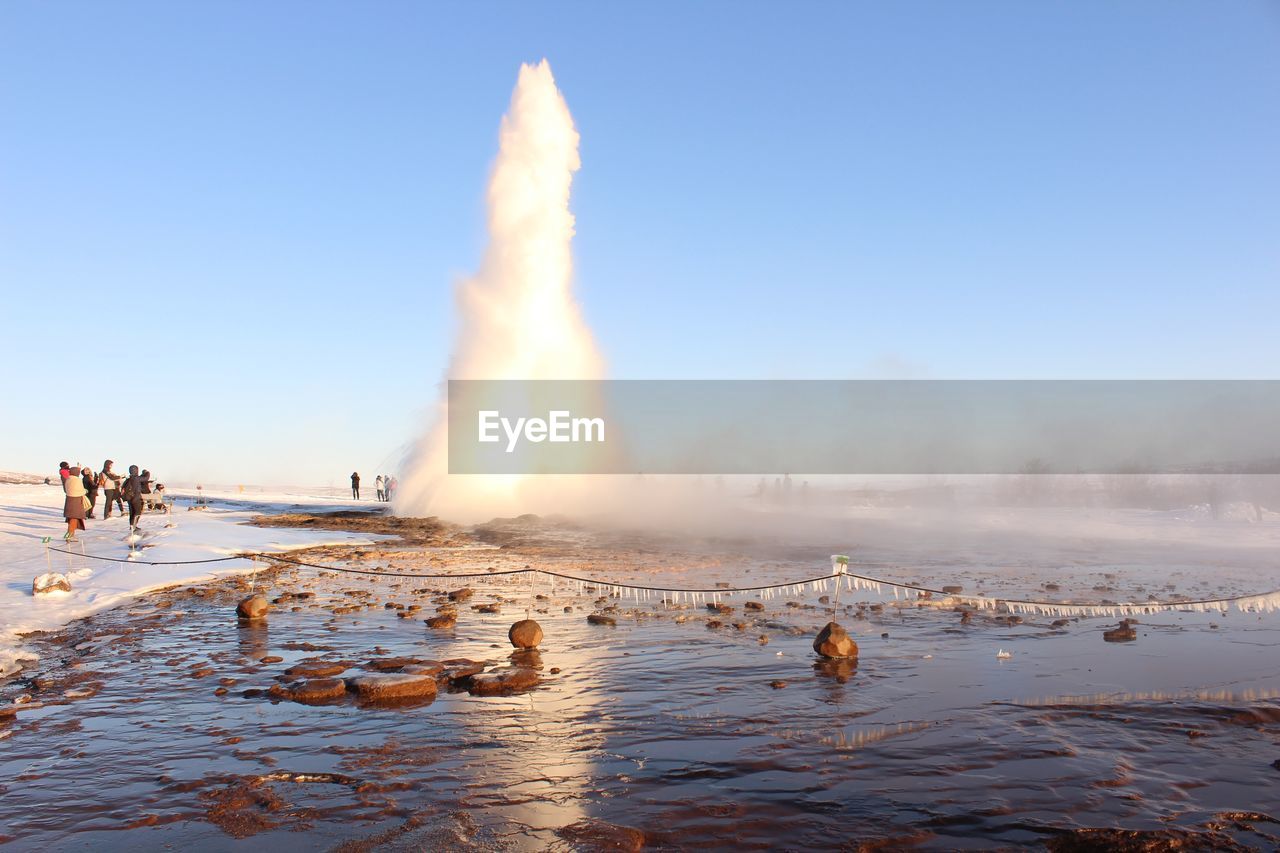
518, 317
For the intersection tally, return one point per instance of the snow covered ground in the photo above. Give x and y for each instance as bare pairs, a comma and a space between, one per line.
28, 513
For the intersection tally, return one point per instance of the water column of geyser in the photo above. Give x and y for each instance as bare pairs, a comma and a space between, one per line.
517, 315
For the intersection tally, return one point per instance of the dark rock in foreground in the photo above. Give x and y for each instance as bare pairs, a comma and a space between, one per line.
253, 607
310, 692
392, 687
502, 683
834, 642
525, 634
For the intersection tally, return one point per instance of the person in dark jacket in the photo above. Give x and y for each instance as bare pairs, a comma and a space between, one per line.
91, 489
132, 492
109, 482
145, 481
355, 485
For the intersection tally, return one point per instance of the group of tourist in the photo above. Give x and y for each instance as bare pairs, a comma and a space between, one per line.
81, 486
384, 483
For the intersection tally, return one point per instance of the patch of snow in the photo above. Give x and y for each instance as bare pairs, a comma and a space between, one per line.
28, 513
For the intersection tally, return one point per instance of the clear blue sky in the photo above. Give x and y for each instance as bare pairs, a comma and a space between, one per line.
229, 232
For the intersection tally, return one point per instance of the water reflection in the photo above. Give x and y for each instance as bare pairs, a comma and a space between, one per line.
253, 639
839, 670
660, 722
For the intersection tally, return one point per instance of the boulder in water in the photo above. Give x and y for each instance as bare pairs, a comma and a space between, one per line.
460, 669
253, 607
601, 619
392, 664
314, 669
311, 692
444, 620
834, 641
1123, 634
392, 687
501, 683
525, 634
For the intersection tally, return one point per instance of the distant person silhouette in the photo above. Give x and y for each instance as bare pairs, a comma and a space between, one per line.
355, 485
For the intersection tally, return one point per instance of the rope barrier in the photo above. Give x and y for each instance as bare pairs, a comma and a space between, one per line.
148, 562
1268, 601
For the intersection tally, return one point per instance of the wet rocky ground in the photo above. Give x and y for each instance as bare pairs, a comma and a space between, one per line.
369, 712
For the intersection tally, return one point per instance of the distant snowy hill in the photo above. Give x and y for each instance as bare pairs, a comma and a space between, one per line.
16, 479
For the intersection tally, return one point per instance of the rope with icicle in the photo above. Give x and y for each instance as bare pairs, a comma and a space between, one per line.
840, 578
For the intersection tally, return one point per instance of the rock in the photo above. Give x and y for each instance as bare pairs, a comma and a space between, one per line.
1123, 634
719, 608
597, 835
601, 619
525, 634
392, 664
1060, 623
953, 589
444, 620
500, 683
253, 607
1052, 587
392, 687
753, 605
314, 669
966, 617
778, 685
491, 607
458, 669
310, 692
50, 582
433, 668
461, 594
834, 642
270, 659
714, 623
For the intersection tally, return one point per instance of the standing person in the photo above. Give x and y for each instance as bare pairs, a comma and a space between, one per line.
91, 489
109, 482
132, 492
377, 484
64, 471
393, 484
386, 486
75, 503
145, 482
355, 485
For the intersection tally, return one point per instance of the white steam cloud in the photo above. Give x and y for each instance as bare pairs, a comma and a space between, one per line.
517, 315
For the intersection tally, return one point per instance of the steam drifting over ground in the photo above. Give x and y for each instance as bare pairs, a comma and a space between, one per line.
517, 315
